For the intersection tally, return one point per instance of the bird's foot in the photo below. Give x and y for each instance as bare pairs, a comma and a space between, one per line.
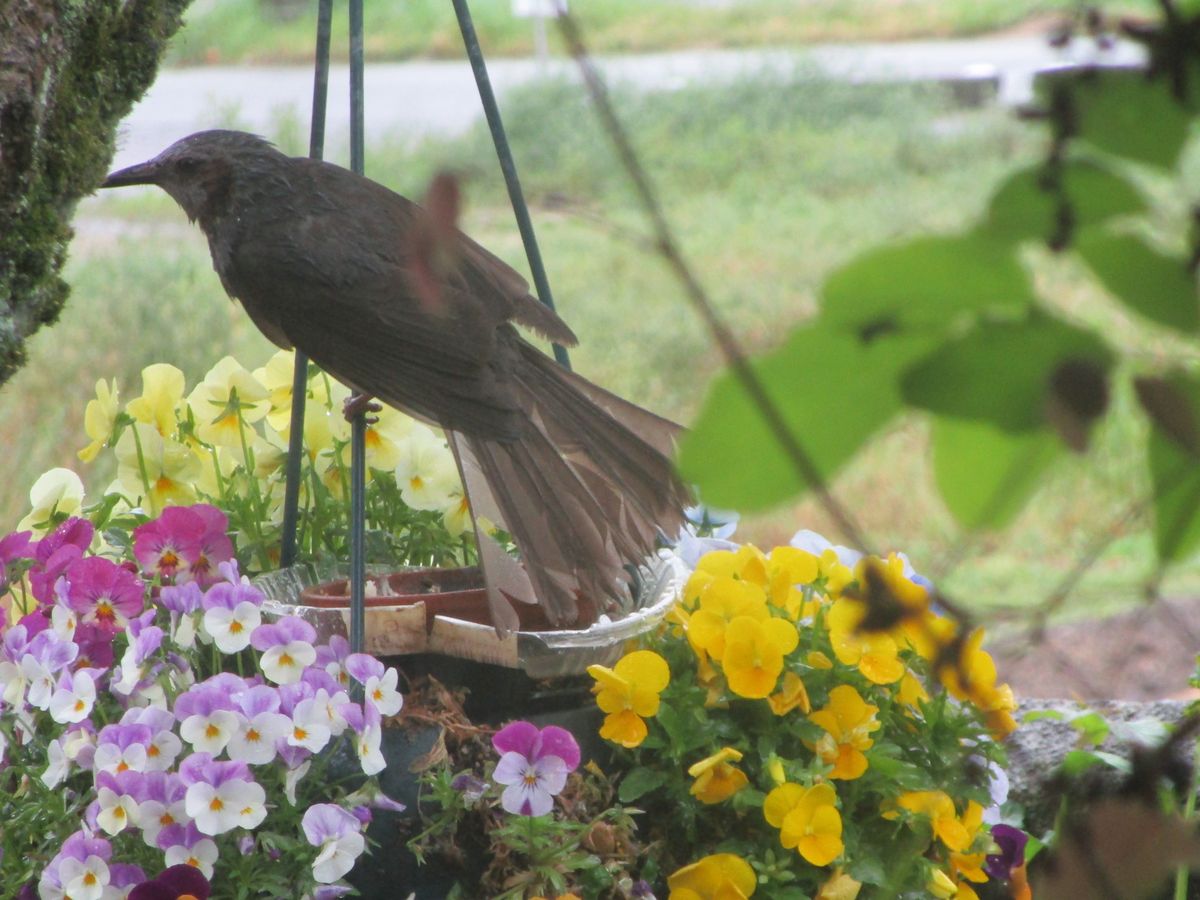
359, 404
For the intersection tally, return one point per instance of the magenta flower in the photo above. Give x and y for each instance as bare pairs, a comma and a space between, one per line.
103, 593
215, 545
174, 883
1011, 842
55, 552
534, 766
167, 545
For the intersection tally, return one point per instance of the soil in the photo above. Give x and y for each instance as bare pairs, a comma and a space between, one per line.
1148, 653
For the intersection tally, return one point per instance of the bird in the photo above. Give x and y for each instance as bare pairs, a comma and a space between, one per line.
399, 305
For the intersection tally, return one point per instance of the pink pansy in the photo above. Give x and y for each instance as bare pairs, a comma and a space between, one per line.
167, 545
534, 766
215, 545
55, 552
103, 593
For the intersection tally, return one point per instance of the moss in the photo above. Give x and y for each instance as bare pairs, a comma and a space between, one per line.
80, 66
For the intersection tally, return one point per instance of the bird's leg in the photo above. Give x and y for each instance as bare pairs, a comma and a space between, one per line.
357, 404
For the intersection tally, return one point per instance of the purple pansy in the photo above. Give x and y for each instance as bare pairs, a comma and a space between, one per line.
172, 884
534, 766
1012, 841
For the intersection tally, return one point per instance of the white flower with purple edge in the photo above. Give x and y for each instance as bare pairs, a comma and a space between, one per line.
379, 684
534, 766
74, 697
287, 648
221, 796
337, 833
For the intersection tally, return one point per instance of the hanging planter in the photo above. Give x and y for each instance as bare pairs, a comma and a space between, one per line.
445, 612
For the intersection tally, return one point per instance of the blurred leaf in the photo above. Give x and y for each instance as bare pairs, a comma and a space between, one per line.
1056, 715
986, 474
833, 392
1157, 286
1124, 112
1076, 761
1175, 474
1093, 728
924, 283
1171, 410
1003, 372
1022, 209
1077, 397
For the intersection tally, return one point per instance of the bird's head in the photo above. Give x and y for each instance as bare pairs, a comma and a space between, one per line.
198, 170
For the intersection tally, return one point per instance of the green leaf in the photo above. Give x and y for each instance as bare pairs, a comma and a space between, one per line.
1124, 112
1054, 715
1149, 282
833, 392
868, 870
1022, 208
640, 781
1092, 727
925, 284
1007, 373
986, 474
1077, 761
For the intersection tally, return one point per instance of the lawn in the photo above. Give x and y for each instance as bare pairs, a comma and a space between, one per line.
771, 183
274, 31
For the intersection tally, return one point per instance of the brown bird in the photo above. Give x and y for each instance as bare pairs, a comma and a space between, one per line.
398, 304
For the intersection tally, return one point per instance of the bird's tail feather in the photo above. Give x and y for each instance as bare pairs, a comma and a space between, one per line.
584, 492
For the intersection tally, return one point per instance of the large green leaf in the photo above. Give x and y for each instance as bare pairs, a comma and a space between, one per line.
1175, 474
1023, 208
1123, 111
925, 283
1158, 286
1011, 374
986, 474
833, 391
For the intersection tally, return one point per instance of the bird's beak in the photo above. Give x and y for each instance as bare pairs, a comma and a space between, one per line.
142, 173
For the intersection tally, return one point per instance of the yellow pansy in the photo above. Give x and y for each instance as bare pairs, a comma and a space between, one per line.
848, 721
754, 652
56, 495
938, 808
721, 876
225, 402
792, 695
788, 568
837, 574
628, 693
99, 418
162, 396
154, 470
807, 819
276, 376
970, 674
969, 865
840, 886
426, 473
723, 600
874, 653
716, 779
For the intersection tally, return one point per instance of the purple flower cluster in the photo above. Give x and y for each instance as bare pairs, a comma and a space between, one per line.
176, 760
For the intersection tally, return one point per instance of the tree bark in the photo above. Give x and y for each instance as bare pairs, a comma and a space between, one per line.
70, 70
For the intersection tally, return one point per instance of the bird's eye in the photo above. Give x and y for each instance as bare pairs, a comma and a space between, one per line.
187, 165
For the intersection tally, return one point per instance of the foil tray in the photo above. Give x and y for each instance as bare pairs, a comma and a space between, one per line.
402, 630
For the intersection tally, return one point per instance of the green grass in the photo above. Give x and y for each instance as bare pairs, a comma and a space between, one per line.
770, 185
261, 31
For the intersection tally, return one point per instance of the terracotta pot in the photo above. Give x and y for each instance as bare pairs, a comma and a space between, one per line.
456, 593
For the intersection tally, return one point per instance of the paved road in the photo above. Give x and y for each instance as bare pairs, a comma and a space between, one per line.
420, 98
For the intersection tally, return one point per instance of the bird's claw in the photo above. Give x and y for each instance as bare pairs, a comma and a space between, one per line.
359, 404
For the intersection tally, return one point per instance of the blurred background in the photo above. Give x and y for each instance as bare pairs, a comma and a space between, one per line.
784, 137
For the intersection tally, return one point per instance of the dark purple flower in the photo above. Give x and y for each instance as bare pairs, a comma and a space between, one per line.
1012, 841
175, 883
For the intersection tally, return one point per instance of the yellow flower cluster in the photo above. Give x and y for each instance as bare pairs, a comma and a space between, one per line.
789, 628
173, 446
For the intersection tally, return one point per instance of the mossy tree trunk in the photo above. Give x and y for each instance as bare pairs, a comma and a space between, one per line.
70, 70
